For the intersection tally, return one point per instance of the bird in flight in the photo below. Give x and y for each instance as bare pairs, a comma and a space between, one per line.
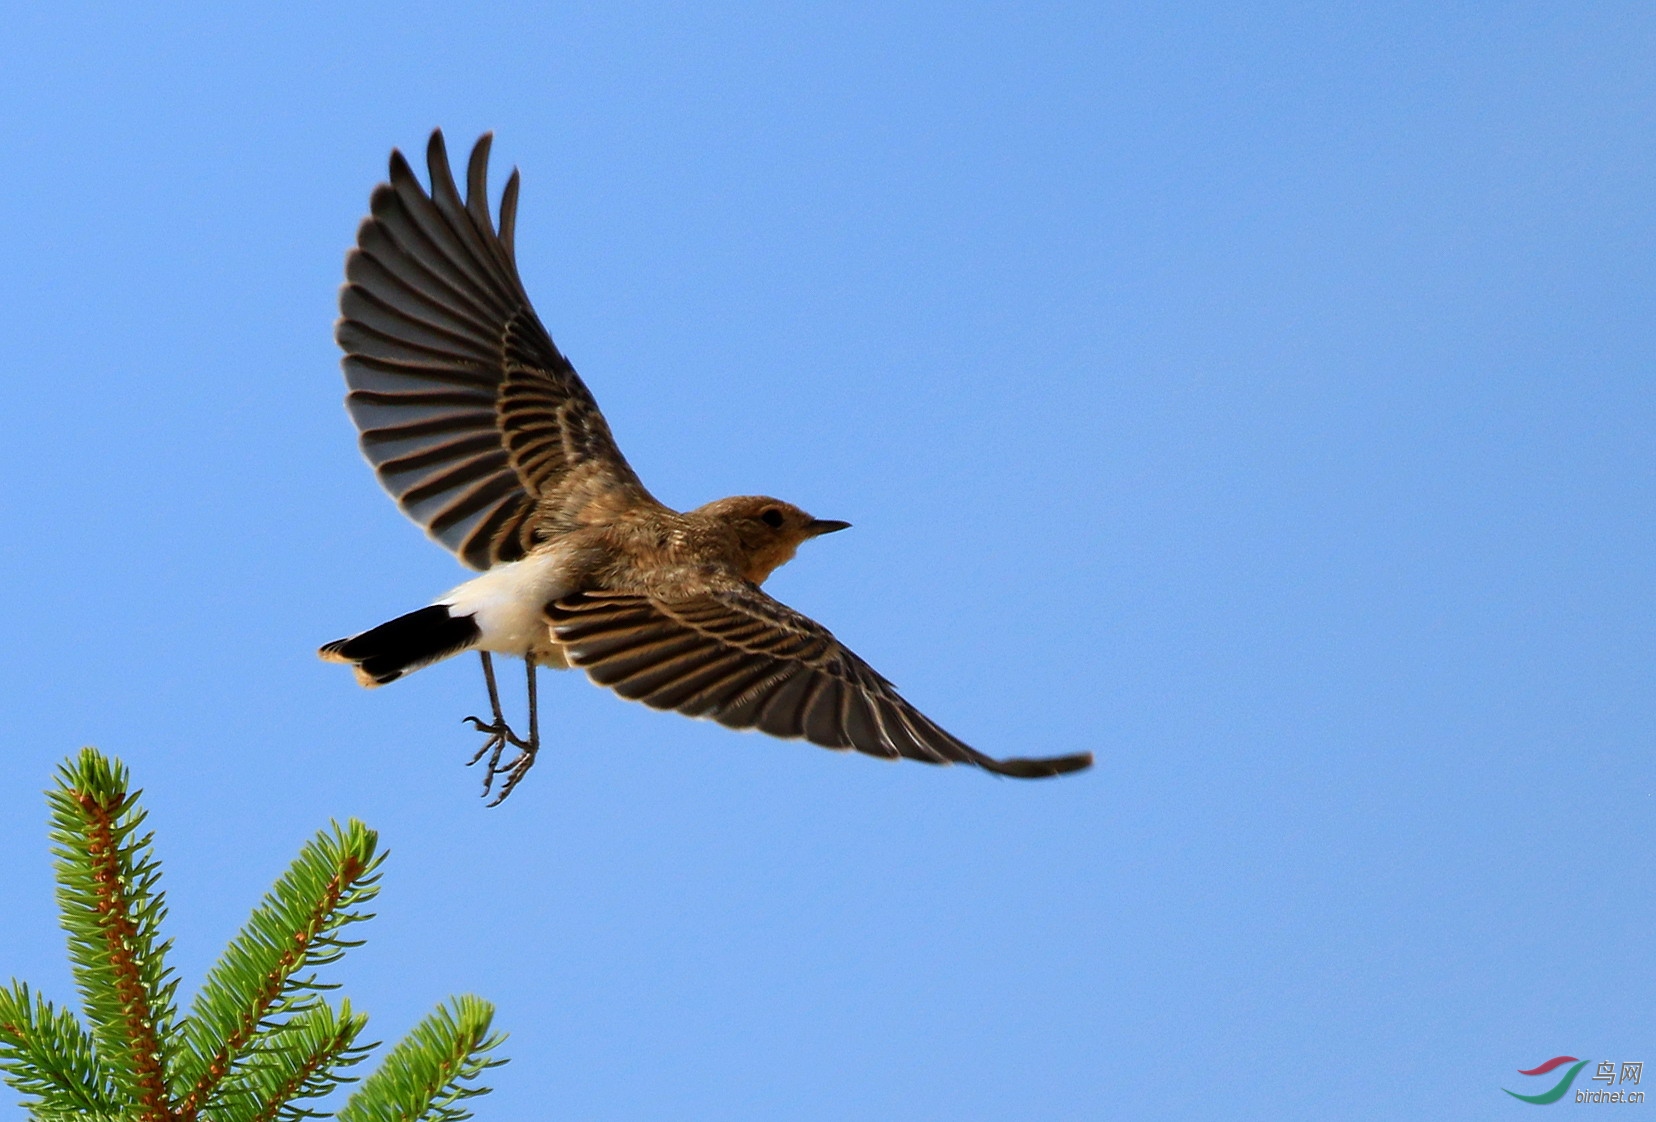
482, 431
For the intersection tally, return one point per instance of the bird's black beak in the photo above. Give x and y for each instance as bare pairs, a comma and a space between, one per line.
816, 527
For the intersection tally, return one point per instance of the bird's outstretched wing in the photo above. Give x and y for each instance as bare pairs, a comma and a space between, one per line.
748, 661
473, 420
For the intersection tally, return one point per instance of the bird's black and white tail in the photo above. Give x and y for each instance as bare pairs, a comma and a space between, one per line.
385, 653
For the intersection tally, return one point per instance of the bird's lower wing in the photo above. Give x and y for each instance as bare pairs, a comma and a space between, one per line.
750, 662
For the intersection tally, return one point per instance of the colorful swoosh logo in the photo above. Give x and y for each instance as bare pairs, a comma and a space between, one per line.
1557, 1092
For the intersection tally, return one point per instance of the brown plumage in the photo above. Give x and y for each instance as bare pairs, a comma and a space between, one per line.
486, 436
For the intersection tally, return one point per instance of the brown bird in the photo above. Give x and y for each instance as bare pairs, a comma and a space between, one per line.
482, 431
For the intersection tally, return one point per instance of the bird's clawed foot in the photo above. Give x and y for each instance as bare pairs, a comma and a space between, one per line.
500, 734
514, 771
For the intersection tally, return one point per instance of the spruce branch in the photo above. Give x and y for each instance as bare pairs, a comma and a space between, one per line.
433, 1070
260, 1042
49, 1058
267, 973
304, 1059
112, 910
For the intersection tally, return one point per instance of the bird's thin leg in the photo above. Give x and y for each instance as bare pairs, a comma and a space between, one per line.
534, 715
500, 733
518, 768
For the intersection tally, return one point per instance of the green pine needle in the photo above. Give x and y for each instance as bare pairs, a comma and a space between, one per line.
267, 974
260, 1044
302, 1060
429, 1074
47, 1056
112, 909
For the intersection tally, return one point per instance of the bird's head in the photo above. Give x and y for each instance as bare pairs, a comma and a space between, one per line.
767, 531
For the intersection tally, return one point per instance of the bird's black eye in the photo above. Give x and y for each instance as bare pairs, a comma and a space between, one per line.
771, 517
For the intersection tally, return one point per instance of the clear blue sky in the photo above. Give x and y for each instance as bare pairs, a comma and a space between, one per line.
1257, 395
